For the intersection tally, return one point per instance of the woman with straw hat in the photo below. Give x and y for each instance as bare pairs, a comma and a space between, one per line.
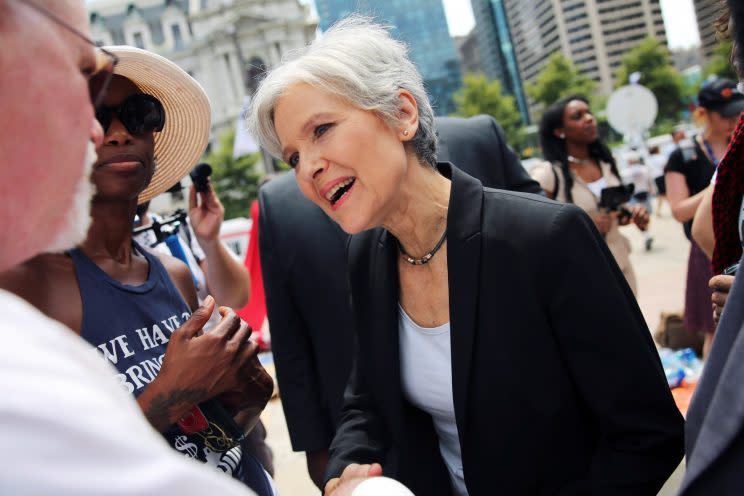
135, 308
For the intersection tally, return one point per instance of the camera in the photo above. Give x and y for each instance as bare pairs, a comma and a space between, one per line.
612, 198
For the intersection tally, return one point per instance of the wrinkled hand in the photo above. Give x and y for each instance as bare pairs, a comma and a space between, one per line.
352, 476
206, 213
603, 221
638, 215
197, 367
721, 285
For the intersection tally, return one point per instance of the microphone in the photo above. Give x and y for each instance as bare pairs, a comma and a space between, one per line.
200, 177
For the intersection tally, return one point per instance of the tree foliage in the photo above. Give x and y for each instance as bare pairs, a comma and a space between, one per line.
720, 63
557, 79
479, 95
235, 180
652, 60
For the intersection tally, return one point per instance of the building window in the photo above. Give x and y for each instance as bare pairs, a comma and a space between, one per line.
156, 31
118, 37
139, 42
177, 37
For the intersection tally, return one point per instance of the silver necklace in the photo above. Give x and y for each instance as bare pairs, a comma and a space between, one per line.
425, 259
580, 161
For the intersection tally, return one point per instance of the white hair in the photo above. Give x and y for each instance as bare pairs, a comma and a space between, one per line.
359, 61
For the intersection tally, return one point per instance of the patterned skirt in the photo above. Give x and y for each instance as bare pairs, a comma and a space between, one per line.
698, 305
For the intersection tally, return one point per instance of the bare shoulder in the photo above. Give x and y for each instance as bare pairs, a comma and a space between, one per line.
181, 276
49, 283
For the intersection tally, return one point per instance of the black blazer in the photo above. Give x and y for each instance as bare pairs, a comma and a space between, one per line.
557, 386
303, 259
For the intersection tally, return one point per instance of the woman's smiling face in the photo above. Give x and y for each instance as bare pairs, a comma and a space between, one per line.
348, 161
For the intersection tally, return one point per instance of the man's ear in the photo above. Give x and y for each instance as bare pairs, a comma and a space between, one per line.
408, 120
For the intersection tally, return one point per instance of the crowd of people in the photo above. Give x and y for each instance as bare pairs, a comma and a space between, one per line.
404, 259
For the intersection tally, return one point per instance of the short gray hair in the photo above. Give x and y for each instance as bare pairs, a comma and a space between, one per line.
359, 61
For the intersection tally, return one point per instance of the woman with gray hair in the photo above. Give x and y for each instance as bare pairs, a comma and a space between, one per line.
460, 311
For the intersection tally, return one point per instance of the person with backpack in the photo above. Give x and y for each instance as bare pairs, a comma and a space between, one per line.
578, 167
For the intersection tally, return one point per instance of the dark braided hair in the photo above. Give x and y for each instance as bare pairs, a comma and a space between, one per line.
554, 148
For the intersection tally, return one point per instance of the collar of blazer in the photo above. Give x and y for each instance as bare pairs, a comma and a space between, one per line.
373, 260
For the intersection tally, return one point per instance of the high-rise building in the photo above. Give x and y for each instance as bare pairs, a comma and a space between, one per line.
497, 51
467, 45
423, 26
706, 13
593, 34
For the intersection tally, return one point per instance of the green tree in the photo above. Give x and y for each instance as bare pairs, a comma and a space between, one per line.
479, 95
720, 63
557, 79
652, 60
235, 180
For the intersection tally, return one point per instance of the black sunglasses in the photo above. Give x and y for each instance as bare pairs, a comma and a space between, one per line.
100, 77
139, 113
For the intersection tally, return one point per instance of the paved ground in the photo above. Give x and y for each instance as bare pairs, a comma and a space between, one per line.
661, 281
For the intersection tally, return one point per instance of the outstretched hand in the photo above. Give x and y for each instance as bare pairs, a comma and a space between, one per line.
351, 477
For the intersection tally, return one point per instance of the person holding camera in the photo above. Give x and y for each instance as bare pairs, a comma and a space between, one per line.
579, 167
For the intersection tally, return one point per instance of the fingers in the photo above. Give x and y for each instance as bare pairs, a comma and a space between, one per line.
331, 486
375, 470
721, 283
719, 299
229, 324
196, 322
238, 340
192, 198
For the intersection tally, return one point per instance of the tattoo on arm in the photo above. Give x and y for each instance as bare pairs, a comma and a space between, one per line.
166, 408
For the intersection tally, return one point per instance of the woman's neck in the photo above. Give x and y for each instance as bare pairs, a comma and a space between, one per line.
110, 232
715, 139
578, 150
419, 217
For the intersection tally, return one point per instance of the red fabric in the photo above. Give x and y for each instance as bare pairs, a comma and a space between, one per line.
255, 311
727, 196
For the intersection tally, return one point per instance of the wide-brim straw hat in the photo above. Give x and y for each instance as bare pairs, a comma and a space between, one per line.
185, 135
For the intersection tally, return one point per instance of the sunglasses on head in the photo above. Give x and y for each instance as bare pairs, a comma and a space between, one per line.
139, 113
100, 76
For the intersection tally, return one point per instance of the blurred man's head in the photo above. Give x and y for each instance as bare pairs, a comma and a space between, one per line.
47, 127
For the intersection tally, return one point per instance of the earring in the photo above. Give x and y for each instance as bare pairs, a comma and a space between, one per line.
405, 133
562, 136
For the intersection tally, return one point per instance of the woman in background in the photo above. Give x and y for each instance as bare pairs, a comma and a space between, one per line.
578, 167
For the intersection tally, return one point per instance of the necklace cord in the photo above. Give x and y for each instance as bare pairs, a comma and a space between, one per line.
427, 257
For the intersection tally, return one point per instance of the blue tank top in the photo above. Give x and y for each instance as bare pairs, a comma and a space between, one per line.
131, 326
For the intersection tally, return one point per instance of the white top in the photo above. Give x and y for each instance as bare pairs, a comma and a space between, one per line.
597, 186
69, 430
426, 380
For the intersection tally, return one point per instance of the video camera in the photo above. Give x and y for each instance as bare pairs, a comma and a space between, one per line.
613, 198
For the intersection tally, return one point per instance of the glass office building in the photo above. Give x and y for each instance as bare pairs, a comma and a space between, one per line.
423, 26
497, 51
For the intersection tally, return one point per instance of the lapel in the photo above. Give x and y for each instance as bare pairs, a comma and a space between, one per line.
725, 416
463, 266
385, 339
